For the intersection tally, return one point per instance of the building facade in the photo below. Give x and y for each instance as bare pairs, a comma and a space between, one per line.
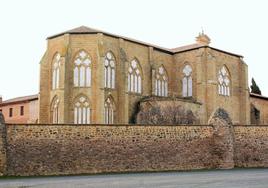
91, 76
20, 109
258, 109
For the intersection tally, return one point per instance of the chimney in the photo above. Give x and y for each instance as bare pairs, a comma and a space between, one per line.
1, 99
203, 39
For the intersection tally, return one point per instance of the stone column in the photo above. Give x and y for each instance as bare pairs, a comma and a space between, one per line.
123, 97
151, 61
223, 140
3, 146
98, 90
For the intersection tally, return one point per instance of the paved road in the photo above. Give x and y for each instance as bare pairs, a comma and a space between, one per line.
249, 178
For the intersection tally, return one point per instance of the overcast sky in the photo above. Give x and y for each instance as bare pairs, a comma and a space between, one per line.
238, 26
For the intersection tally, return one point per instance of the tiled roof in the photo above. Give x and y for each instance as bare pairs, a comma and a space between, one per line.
258, 96
87, 30
19, 99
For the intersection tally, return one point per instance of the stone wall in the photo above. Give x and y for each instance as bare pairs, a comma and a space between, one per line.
223, 136
251, 146
72, 149
36, 149
2, 145
169, 111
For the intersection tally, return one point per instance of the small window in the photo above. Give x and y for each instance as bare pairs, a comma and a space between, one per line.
82, 70
55, 110
22, 110
161, 82
109, 109
56, 71
109, 71
82, 111
187, 81
224, 82
10, 112
134, 77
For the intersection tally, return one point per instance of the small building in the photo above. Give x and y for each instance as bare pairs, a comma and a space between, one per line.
258, 109
20, 109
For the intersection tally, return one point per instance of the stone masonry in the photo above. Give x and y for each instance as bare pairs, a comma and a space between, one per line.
3, 144
69, 149
168, 111
37, 149
204, 60
223, 135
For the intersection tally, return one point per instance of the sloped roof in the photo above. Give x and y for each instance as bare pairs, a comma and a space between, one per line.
78, 30
188, 47
19, 99
197, 46
88, 30
258, 96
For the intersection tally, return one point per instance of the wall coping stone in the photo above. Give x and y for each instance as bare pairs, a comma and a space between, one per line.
104, 125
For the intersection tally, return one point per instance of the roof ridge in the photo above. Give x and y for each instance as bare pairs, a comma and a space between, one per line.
22, 98
87, 30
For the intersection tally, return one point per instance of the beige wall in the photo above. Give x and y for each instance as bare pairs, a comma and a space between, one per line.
33, 111
262, 106
205, 63
237, 105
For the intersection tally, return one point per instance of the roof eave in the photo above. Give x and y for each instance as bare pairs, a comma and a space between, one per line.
77, 33
216, 49
258, 96
229, 53
17, 102
186, 50
169, 51
111, 35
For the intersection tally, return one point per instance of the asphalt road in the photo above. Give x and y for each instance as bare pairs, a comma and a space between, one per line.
238, 178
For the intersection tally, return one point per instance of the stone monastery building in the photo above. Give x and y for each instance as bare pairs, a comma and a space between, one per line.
91, 76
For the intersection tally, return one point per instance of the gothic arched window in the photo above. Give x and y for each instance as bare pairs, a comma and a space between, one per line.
82, 70
134, 77
187, 82
82, 112
224, 82
56, 71
55, 110
109, 71
109, 109
161, 82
